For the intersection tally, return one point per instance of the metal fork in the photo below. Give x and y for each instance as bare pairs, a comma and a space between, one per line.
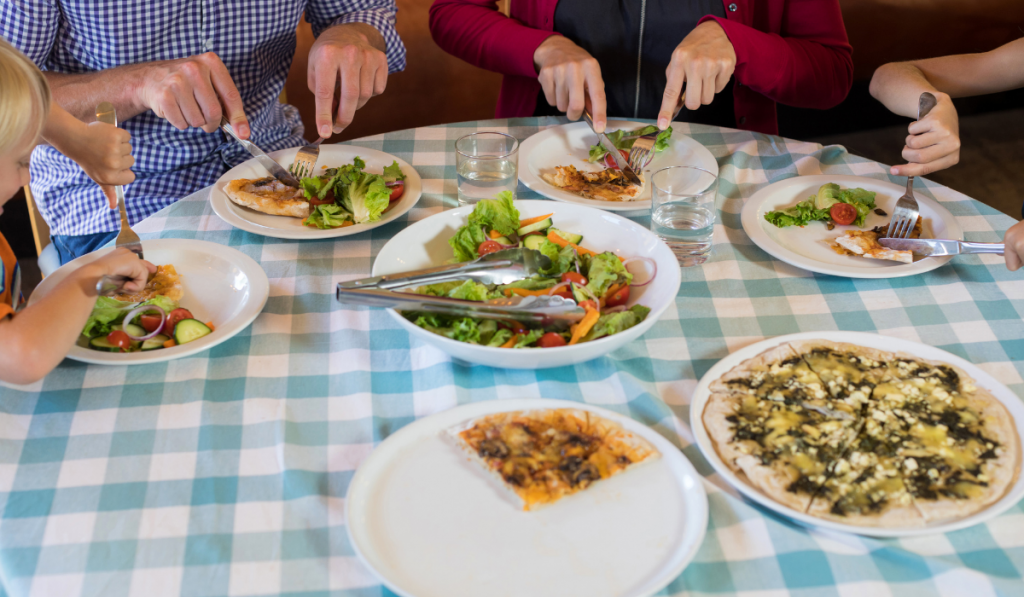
904, 217
127, 237
305, 161
642, 152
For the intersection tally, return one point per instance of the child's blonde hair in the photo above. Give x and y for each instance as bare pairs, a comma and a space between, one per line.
24, 98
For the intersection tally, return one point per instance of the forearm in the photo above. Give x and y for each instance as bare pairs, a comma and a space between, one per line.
362, 31
62, 129
80, 94
35, 340
899, 86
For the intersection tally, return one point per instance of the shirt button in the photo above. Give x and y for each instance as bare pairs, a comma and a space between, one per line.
209, 44
733, 7
742, 120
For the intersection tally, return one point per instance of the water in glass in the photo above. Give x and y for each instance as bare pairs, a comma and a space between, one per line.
683, 211
483, 179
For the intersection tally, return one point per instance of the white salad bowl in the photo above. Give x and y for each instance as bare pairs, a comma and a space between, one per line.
425, 244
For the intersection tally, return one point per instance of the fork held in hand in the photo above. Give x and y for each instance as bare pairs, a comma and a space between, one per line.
642, 152
305, 161
127, 237
904, 217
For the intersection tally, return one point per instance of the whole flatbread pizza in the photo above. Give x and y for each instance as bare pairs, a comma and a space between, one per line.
863, 436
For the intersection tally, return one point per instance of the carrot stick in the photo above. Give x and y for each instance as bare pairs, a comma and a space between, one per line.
170, 343
209, 324
525, 292
561, 242
494, 233
511, 342
584, 325
528, 221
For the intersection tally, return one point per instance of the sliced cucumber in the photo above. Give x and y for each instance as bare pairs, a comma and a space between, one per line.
541, 225
504, 240
155, 342
100, 343
568, 236
188, 330
134, 330
534, 241
579, 294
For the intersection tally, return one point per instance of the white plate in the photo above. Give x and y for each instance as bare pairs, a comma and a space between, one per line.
806, 248
569, 145
221, 285
425, 244
430, 523
1001, 392
331, 156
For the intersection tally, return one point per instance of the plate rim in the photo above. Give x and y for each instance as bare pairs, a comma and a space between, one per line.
260, 286
751, 224
701, 509
224, 208
408, 325
702, 393
541, 187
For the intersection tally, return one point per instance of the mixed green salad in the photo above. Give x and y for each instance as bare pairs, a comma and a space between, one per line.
624, 141
830, 204
598, 282
349, 195
119, 326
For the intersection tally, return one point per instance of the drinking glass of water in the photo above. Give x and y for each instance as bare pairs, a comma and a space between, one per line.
683, 211
486, 163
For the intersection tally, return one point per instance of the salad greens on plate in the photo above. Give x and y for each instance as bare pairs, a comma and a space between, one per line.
348, 195
120, 326
624, 140
822, 207
598, 282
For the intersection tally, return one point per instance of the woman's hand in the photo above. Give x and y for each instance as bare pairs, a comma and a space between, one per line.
1014, 253
704, 61
934, 141
568, 74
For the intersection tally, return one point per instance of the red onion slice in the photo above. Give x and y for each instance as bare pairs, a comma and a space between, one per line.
557, 286
614, 309
138, 311
647, 260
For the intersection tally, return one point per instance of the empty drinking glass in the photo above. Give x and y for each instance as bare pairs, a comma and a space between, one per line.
486, 163
684, 210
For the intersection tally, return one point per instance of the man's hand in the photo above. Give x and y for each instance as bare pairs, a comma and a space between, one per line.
704, 61
934, 141
568, 74
1014, 252
350, 57
193, 92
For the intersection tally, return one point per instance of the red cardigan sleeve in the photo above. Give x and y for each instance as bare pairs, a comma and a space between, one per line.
476, 32
809, 64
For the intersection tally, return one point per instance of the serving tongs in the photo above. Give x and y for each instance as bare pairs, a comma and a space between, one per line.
501, 267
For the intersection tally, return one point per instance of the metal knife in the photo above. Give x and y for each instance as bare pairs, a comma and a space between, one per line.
266, 161
938, 248
614, 151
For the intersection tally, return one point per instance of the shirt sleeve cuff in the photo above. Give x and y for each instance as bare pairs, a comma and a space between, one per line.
382, 20
752, 46
519, 56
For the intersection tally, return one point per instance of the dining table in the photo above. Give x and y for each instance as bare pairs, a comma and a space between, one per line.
226, 472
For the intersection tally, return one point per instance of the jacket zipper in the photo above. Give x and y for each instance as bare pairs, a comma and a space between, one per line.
639, 57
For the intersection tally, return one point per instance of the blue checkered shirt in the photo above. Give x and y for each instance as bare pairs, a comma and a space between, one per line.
254, 38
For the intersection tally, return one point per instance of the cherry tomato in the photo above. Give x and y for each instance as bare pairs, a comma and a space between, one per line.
487, 247
551, 340
564, 292
150, 322
588, 305
174, 317
621, 297
609, 161
843, 213
574, 277
397, 189
328, 198
119, 339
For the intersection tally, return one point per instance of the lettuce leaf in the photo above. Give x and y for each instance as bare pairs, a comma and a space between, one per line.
807, 211
328, 215
497, 214
613, 323
624, 140
311, 187
469, 291
605, 270
529, 284
106, 313
393, 173
163, 302
463, 329
465, 241
528, 338
500, 337
366, 196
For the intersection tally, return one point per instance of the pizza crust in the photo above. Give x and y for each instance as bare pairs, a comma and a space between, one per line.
269, 196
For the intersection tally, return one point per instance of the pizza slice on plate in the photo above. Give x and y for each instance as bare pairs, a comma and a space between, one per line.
849, 372
544, 455
606, 185
268, 195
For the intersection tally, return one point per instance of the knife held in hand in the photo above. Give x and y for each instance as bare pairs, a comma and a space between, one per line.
937, 247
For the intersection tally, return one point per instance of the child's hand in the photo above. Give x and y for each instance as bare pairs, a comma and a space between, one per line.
1014, 252
106, 156
122, 262
934, 141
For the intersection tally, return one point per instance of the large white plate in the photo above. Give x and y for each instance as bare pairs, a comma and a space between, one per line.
569, 145
430, 523
221, 285
806, 247
1004, 394
425, 244
331, 156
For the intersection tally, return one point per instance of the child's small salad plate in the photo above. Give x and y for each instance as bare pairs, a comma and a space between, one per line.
627, 290
211, 293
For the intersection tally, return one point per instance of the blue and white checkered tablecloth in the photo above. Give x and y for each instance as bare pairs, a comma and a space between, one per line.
226, 473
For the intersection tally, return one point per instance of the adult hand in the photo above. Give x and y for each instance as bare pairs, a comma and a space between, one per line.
193, 92
934, 141
704, 61
122, 262
350, 57
568, 74
1014, 252
105, 153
